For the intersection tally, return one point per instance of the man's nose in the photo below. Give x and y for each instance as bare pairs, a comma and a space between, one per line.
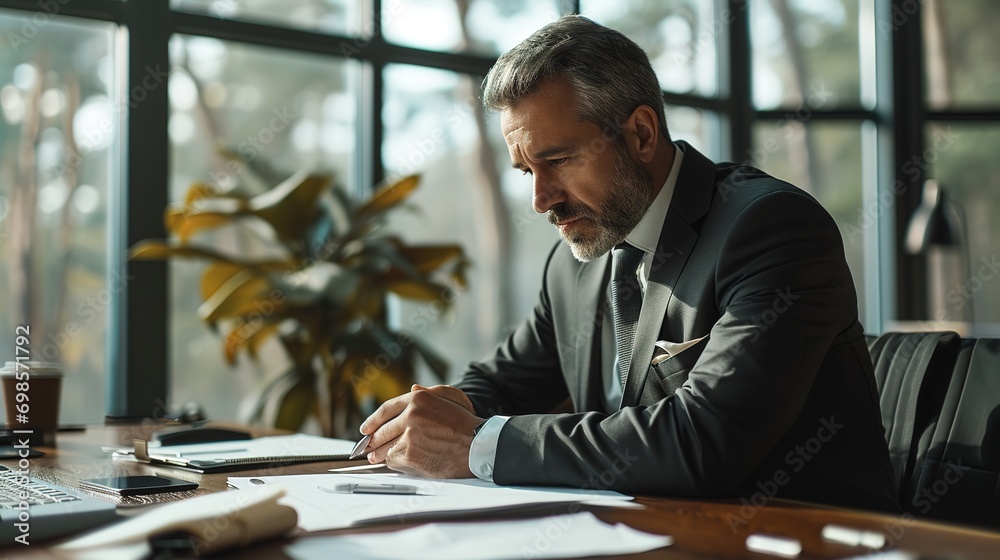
547, 193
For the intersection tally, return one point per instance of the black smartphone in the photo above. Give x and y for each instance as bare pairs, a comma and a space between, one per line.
137, 485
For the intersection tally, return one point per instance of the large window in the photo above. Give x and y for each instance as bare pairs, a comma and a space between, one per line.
59, 157
962, 97
813, 84
825, 94
279, 112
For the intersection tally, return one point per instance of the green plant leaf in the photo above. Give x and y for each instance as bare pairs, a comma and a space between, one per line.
428, 258
258, 338
291, 206
386, 197
203, 191
185, 225
216, 275
242, 294
416, 289
152, 250
250, 334
384, 383
296, 404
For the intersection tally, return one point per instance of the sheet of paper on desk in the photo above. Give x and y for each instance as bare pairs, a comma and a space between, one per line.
557, 536
320, 507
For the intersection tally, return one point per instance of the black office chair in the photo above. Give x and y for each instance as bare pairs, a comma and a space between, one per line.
957, 478
912, 371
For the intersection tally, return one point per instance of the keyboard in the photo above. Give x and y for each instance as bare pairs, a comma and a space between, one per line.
52, 510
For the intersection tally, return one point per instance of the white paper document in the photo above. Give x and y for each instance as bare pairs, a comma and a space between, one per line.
558, 536
322, 506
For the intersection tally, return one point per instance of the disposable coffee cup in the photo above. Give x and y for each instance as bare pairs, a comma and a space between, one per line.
31, 399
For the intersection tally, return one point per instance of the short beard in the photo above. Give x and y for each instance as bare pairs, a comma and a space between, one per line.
626, 200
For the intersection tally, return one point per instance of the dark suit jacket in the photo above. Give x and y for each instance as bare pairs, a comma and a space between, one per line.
779, 399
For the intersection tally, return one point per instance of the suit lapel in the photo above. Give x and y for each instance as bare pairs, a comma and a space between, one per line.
691, 200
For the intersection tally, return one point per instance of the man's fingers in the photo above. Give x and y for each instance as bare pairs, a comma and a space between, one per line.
389, 410
381, 453
387, 432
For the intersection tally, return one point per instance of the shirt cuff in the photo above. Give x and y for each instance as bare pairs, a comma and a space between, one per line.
483, 453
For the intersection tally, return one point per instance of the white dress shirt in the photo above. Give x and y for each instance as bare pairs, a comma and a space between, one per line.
645, 236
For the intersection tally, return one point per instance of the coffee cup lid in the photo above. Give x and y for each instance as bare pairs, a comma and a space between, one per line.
32, 367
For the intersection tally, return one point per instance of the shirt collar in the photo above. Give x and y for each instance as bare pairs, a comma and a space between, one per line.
646, 235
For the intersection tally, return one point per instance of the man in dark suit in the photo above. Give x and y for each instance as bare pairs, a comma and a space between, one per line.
701, 318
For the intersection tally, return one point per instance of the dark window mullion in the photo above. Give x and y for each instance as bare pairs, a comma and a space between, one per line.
963, 115
373, 49
687, 100
138, 336
375, 100
736, 56
908, 134
805, 114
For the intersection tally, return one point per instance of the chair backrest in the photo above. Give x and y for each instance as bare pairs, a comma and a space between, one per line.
912, 371
958, 476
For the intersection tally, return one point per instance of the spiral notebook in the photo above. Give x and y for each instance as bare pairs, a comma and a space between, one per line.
242, 454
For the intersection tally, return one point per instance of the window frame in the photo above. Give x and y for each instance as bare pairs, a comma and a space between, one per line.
138, 336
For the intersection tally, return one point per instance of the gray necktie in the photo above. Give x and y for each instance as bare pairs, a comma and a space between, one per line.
626, 302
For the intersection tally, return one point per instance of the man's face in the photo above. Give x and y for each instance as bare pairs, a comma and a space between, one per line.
589, 187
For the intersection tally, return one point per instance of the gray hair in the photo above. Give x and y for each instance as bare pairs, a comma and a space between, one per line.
610, 74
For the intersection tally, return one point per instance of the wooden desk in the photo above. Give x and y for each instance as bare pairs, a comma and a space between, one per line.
701, 528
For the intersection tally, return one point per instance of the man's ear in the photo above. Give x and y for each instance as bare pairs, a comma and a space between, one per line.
643, 133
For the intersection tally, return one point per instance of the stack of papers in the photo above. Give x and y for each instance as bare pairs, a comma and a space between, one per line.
233, 455
559, 536
321, 506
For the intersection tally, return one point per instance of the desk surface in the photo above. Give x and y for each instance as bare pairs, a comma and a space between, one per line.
701, 528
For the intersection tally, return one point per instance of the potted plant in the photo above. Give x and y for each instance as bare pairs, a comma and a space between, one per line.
324, 297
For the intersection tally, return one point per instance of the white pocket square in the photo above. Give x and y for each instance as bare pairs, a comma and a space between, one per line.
665, 349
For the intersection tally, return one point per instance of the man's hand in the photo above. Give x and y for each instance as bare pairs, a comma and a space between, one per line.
427, 431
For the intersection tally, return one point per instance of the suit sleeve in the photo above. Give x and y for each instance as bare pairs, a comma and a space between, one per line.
523, 375
780, 287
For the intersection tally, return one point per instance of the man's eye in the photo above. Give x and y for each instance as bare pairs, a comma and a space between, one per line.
558, 161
